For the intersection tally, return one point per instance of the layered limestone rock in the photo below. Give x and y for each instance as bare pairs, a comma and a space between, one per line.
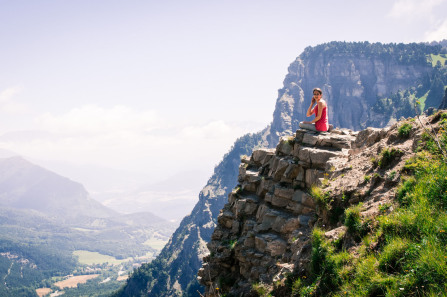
263, 230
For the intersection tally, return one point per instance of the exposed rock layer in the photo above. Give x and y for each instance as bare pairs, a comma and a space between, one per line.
262, 234
263, 230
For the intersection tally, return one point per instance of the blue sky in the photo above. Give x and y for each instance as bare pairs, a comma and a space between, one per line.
160, 87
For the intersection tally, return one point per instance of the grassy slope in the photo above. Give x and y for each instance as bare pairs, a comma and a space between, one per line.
435, 58
399, 253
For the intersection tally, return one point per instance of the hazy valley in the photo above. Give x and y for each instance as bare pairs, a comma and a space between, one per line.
51, 228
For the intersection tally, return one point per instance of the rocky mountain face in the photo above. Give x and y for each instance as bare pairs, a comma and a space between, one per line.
263, 230
353, 77
263, 234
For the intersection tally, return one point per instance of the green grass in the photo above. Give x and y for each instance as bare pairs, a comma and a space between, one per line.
404, 130
387, 156
156, 243
435, 58
404, 254
321, 197
422, 101
90, 258
261, 289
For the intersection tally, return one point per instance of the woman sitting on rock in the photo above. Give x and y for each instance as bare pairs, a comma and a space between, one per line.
320, 123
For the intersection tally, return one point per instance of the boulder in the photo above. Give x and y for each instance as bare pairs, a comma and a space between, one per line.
310, 138
280, 169
286, 193
225, 218
291, 172
285, 146
368, 137
313, 177
290, 225
276, 247
319, 157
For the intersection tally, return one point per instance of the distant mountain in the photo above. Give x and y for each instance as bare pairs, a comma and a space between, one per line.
364, 84
6, 153
45, 218
27, 186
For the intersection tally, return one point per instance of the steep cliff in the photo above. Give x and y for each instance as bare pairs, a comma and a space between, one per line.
354, 77
265, 237
264, 228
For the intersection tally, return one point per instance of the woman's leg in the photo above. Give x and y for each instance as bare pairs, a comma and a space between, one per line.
310, 127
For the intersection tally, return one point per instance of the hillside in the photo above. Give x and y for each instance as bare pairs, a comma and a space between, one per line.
28, 186
354, 77
337, 214
50, 227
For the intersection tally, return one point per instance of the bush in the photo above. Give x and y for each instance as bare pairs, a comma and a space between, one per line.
352, 219
322, 199
404, 130
387, 156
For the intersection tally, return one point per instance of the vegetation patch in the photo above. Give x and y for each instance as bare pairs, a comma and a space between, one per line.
261, 289
402, 251
387, 156
90, 258
155, 243
72, 282
404, 130
434, 59
322, 198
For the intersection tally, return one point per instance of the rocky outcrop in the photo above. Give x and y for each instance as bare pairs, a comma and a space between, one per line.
353, 76
262, 238
262, 232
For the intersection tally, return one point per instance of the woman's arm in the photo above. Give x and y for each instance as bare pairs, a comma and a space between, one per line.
320, 112
310, 110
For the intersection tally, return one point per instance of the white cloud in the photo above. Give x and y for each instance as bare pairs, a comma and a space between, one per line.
414, 8
124, 138
212, 130
7, 101
92, 119
438, 33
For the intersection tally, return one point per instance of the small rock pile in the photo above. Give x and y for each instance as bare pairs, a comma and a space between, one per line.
263, 231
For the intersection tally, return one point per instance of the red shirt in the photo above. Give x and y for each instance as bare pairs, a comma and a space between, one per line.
322, 124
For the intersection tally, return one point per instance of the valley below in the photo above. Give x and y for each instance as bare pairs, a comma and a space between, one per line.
57, 241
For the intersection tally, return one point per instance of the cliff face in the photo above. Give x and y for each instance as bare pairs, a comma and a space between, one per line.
263, 232
351, 80
353, 76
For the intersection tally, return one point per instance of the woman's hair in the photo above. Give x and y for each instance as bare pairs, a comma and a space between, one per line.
318, 90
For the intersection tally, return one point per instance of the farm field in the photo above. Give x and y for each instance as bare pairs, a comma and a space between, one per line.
73, 281
156, 243
91, 258
43, 291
